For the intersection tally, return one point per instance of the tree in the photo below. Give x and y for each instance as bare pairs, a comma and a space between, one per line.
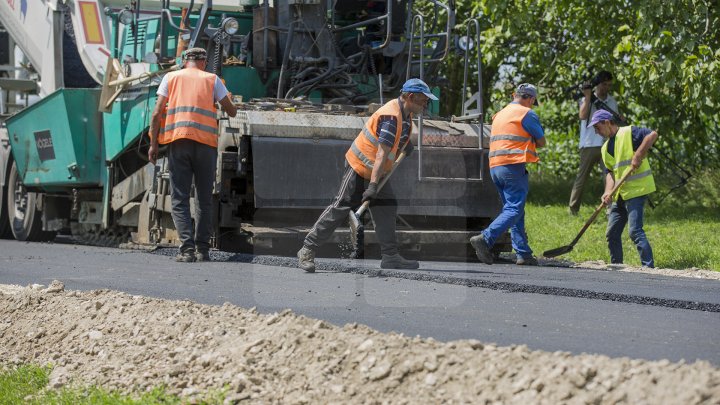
665, 57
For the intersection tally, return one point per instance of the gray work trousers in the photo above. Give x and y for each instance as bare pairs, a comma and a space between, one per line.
349, 197
190, 160
589, 158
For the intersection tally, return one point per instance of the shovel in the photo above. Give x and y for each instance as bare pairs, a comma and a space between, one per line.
357, 230
566, 249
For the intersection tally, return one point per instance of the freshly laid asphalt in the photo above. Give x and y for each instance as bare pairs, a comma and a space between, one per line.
547, 308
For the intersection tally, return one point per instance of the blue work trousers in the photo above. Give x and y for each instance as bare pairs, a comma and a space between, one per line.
512, 184
622, 212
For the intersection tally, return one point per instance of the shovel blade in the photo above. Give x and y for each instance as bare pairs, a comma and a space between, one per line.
558, 251
357, 236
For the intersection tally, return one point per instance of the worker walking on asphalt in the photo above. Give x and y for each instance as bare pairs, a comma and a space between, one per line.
516, 133
385, 135
625, 149
186, 104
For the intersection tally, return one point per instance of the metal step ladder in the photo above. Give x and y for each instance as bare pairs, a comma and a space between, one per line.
469, 115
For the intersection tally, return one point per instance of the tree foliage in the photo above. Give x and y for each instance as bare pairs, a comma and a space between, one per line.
665, 56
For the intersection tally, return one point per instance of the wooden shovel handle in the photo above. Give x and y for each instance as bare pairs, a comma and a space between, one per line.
601, 206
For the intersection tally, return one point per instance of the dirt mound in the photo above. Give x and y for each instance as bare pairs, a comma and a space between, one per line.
129, 342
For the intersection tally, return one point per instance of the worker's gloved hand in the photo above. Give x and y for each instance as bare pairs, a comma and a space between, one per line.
409, 148
370, 193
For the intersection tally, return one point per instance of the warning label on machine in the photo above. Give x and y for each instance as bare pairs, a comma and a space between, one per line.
44, 144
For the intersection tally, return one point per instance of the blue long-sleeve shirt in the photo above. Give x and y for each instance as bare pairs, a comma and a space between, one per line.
531, 123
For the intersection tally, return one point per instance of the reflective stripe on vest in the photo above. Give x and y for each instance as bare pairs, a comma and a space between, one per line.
197, 110
503, 152
189, 124
191, 112
516, 138
370, 137
637, 184
510, 143
362, 152
366, 161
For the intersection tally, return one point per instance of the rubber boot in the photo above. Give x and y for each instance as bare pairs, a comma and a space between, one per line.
306, 259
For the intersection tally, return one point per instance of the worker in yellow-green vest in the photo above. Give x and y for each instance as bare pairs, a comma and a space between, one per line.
625, 149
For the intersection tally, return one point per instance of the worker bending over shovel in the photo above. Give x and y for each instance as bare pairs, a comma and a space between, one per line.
625, 149
383, 138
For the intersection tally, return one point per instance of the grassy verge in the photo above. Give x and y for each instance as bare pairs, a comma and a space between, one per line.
26, 385
683, 230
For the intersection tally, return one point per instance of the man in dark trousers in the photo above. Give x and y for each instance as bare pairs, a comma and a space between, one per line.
515, 135
186, 101
626, 149
385, 135
590, 141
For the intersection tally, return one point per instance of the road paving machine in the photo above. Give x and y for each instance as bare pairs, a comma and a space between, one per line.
305, 74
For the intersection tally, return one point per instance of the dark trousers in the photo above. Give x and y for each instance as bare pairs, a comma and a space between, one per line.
190, 160
589, 158
383, 210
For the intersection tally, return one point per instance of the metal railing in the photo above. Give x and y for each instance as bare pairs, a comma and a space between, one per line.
475, 114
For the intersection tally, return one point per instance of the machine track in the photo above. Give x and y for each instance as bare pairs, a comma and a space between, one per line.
93, 235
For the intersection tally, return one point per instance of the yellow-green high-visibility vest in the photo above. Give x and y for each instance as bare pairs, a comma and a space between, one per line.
639, 183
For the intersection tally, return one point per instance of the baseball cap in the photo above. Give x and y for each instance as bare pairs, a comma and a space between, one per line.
527, 89
599, 116
196, 54
418, 86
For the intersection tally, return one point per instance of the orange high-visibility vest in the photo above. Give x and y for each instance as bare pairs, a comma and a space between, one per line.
190, 112
510, 143
363, 150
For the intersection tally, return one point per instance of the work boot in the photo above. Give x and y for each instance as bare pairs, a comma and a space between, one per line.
202, 255
527, 261
482, 250
398, 262
187, 256
306, 259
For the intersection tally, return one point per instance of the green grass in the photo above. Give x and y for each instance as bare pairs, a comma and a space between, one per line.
684, 231
29, 381
16, 384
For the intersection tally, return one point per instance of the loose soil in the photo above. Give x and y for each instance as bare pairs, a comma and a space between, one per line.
131, 343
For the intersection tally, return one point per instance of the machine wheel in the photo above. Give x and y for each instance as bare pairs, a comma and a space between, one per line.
25, 219
5, 232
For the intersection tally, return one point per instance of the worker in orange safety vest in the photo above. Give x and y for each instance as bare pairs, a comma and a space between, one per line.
185, 119
381, 141
516, 133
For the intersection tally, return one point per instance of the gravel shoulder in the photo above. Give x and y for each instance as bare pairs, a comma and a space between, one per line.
131, 343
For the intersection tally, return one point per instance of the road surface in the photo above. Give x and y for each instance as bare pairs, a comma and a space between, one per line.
577, 310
